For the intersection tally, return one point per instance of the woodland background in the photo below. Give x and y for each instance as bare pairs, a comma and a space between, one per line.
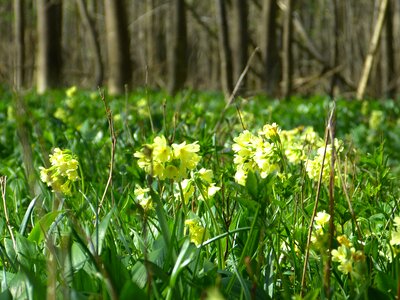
336, 47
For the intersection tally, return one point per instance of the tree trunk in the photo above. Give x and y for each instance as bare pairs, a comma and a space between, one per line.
337, 34
287, 67
49, 61
225, 55
373, 47
390, 52
269, 47
93, 39
118, 62
19, 29
241, 39
177, 52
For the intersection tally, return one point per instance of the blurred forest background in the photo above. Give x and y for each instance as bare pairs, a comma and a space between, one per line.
337, 47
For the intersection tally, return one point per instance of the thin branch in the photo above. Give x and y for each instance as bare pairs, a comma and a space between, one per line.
238, 83
3, 187
314, 213
113, 143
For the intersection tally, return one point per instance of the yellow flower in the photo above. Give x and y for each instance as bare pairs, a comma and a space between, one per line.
395, 239
187, 153
166, 162
61, 114
270, 131
346, 267
71, 91
396, 222
206, 175
321, 219
212, 190
63, 171
171, 172
214, 294
341, 254
188, 189
197, 232
376, 119
241, 175
144, 200
161, 150
343, 240
45, 176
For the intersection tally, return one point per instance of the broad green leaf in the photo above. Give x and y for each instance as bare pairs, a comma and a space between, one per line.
132, 291
252, 185
6, 295
386, 283
78, 256
100, 233
42, 226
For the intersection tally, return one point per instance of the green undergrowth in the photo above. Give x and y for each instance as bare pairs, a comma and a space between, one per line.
159, 197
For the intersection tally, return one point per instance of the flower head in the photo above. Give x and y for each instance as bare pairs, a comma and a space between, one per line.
168, 162
63, 171
197, 232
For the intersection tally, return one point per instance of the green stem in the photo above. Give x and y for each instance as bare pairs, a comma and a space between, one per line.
246, 246
161, 218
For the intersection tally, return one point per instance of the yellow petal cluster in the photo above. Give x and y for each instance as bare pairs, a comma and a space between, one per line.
143, 198
161, 160
256, 153
347, 256
263, 152
320, 224
63, 171
197, 232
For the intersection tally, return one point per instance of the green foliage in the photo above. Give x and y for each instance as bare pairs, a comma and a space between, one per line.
199, 235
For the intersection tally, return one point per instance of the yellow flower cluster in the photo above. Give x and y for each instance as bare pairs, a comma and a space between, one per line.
395, 238
256, 153
298, 142
63, 171
197, 232
143, 198
206, 178
350, 260
263, 152
161, 160
313, 166
320, 222
376, 119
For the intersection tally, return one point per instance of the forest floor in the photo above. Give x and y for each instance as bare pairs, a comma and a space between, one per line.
161, 197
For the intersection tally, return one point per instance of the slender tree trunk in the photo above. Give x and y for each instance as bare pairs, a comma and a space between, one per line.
93, 39
269, 47
287, 67
337, 35
241, 38
373, 47
119, 62
225, 54
19, 29
390, 52
177, 51
49, 62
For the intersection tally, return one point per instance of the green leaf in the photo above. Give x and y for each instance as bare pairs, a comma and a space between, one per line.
252, 185
27, 215
132, 291
6, 295
385, 283
42, 226
78, 256
99, 234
